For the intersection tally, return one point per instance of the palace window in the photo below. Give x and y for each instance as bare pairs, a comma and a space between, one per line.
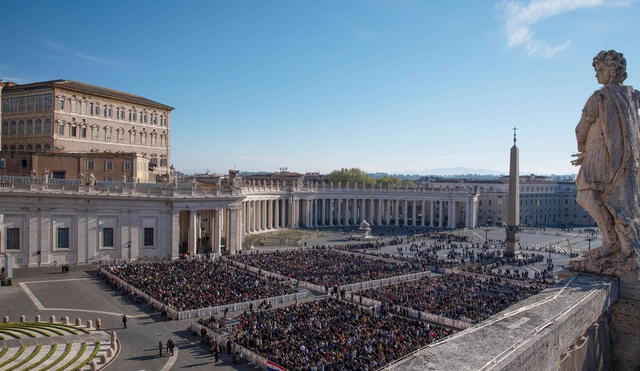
21, 127
61, 104
63, 238
148, 236
83, 132
107, 237
89, 164
74, 131
83, 107
13, 238
126, 166
60, 129
74, 105
95, 109
108, 165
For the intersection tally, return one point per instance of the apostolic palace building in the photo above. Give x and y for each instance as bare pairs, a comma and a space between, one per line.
85, 176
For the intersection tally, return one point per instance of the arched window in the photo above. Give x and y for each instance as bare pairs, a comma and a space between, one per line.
46, 129
5, 127
38, 127
29, 148
13, 148
21, 148
21, 127
5, 148
29, 127
13, 128
47, 147
38, 148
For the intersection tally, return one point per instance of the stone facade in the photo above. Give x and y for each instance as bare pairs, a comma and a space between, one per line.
544, 202
74, 117
46, 223
103, 165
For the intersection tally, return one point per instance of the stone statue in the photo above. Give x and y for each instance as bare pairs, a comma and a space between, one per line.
47, 175
92, 179
609, 158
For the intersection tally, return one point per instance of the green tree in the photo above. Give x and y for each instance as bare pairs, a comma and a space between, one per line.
351, 176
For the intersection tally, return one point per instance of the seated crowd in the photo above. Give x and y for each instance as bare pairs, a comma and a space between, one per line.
324, 266
193, 284
330, 335
454, 296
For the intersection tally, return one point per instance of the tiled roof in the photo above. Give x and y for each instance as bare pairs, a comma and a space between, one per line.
86, 88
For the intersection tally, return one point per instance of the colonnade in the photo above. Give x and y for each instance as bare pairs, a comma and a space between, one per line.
209, 230
261, 215
268, 214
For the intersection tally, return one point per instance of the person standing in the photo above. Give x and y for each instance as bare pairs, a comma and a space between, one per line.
124, 320
170, 346
160, 347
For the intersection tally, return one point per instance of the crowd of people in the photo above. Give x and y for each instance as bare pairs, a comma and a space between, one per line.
193, 284
322, 265
330, 334
454, 296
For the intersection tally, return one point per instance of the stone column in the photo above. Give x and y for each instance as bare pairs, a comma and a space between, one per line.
432, 213
441, 215
290, 213
33, 241
347, 214
263, 207
276, 216
216, 231
378, 211
193, 232
423, 219
331, 207
339, 202
45, 236
363, 210
414, 214
175, 234
405, 212
397, 212
235, 237
323, 212
453, 216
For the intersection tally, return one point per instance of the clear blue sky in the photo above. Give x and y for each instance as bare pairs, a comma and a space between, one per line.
395, 86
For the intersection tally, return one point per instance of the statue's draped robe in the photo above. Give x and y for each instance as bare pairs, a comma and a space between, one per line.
609, 136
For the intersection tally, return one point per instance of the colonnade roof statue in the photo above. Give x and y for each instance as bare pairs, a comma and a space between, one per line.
609, 158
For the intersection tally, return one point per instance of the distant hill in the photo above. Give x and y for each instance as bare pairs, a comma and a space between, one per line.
461, 171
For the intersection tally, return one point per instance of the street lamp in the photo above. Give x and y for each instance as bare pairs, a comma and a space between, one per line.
589, 239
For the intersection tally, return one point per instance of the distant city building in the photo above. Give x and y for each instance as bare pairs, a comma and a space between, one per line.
73, 117
543, 201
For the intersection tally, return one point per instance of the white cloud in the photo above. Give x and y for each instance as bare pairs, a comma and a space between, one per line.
520, 17
61, 49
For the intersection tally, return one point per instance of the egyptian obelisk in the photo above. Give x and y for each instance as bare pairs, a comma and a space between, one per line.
513, 211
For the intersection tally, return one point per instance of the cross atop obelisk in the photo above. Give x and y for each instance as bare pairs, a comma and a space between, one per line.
512, 244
